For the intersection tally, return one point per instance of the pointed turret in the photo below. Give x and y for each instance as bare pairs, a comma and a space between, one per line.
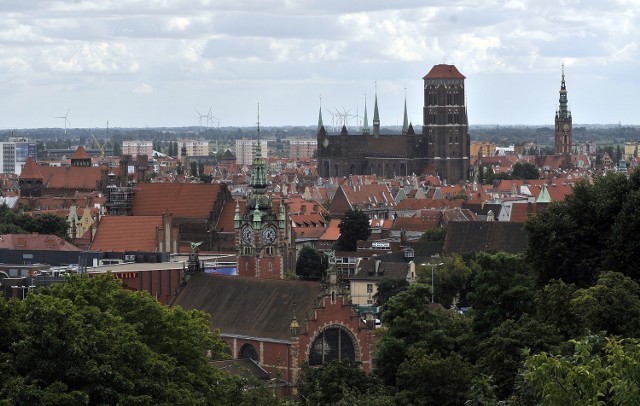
365, 121
544, 196
320, 124
376, 118
405, 122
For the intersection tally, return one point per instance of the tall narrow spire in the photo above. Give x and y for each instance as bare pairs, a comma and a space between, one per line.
365, 121
376, 116
563, 109
320, 124
405, 122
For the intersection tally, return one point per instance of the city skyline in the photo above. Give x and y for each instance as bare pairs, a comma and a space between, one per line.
138, 64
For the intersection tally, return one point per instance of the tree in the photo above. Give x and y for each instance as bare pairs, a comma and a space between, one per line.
433, 379
502, 290
452, 280
599, 372
331, 383
567, 240
525, 170
434, 234
611, 306
411, 321
193, 167
51, 224
89, 341
501, 355
309, 264
553, 306
353, 228
387, 288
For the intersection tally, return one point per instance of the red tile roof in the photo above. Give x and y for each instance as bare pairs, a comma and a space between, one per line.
333, 232
127, 233
415, 223
30, 170
182, 200
80, 153
40, 242
443, 71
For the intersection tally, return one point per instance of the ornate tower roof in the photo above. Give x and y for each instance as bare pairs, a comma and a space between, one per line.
258, 180
563, 109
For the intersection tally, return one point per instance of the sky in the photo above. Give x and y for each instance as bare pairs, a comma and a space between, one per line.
167, 63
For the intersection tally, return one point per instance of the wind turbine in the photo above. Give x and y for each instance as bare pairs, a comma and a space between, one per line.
201, 116
66, 120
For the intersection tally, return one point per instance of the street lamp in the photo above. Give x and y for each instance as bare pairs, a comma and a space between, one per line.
433, 289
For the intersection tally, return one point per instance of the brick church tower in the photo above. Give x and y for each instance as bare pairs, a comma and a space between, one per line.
564, 125
260, 231
445, 125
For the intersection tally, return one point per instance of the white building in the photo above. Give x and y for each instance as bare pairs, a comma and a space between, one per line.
194, 148
135, 148
246, 150
302, 148
14, 154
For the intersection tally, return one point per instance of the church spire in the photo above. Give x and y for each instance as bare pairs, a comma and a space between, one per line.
563, 109
376, 116
405, 122
320, 124
365, 121
258, 168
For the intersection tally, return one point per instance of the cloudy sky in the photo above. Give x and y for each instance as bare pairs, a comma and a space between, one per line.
155, 62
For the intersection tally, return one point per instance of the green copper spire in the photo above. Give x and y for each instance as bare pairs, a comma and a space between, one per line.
544, 196
365, 121
376, 117
405, 122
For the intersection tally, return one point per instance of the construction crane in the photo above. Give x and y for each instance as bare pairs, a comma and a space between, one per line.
101, 146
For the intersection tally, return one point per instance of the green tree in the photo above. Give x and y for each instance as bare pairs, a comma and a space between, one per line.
433, 379
89, 341
193, 167
452, 280
51, 224
434, 234
411, 321
567, 240
553, 307
353, 228
309, 264
337, 382
502, 290
387, 288
597, 373
501, 355
611, 306
525, 170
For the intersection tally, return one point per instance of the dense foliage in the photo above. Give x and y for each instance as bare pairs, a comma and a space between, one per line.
13, 221
89, 341
309, 264
354, 227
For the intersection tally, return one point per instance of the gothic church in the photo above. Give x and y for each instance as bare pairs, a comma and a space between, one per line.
441, 148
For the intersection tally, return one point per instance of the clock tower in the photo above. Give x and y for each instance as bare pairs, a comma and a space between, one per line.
260, 231
564, 126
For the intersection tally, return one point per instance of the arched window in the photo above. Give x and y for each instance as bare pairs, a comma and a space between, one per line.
248, 351
332, 344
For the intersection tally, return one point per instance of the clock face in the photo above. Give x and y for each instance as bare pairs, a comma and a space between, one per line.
269, 235
325, 142
565, 127
247, 235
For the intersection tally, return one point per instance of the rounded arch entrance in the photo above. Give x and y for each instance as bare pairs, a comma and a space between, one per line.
334, 342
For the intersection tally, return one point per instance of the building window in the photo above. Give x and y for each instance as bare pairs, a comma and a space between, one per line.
332, 344
369, 287
248, 351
